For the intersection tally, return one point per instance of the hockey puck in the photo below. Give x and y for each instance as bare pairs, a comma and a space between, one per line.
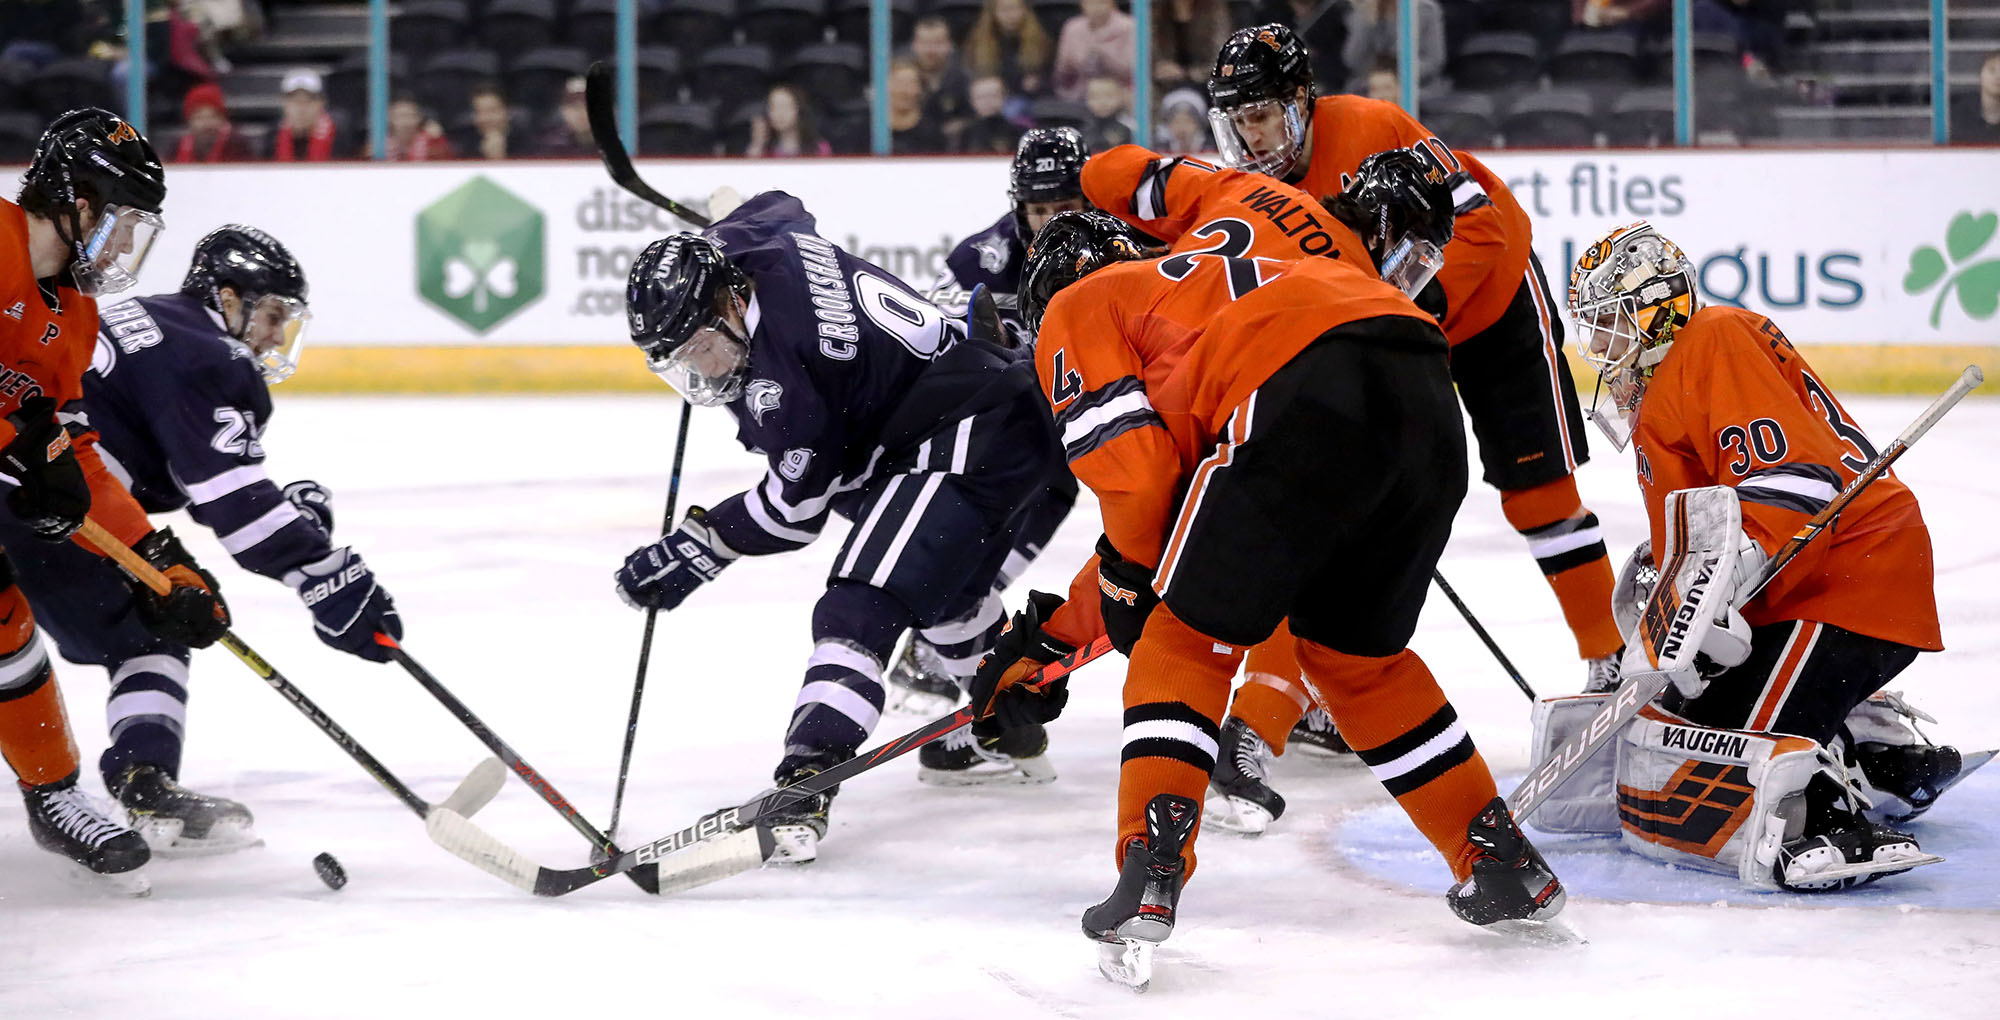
330, 871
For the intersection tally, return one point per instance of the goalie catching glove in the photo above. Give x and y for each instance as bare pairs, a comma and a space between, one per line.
53, 496
1022, 649
348, 607
662, 575
192, 612
1724, 646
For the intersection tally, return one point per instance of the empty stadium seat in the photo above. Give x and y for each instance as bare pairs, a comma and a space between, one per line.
660, 74
850, 20
593, 26
828, 70
18, 134
1463, 120
1557, 119
735, 133
677, 129
731, 72
1589, 59
347, 84
1052, 112
1640, 118
535, 81
445, 82
692, 26
425, 27
783, 25
512, 27
1496, 60
63, 85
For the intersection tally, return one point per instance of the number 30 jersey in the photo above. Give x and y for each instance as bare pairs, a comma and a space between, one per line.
1734, 404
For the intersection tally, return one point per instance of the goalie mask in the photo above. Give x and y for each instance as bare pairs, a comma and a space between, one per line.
252, 282
1261, 99
1629, 294
684, 302
95, 155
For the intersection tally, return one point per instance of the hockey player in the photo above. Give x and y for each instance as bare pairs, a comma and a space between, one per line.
88, 210
1206, 409
1506, 341
1718, 396
870, 405
1042, 182
179, 392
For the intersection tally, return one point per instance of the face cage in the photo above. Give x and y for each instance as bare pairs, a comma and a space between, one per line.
1608, 339
1411, 264
108, 261
1236, 152
275, 332
705, 389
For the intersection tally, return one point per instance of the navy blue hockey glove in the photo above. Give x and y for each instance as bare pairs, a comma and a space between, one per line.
1020, 650
348, 607
1126, 596
52, 498
662, 575
192, 612
313, 501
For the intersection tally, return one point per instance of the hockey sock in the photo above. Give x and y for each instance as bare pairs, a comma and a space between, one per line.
1567, 543
146, 715
961, 642
1176, 689
854, 630
1392, 712
1273, 696
34, 730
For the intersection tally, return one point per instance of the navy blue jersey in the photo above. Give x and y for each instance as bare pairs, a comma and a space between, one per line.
181, 410
992, 257
837, 344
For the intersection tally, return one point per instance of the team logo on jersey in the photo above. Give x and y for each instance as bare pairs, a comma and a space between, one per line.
49, 333
761, 396
993, 254
793, 465
20, 308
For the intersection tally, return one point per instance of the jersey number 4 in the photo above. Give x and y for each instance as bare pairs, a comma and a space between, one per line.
1068, 384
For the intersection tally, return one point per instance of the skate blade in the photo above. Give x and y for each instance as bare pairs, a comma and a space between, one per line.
1319, 751
1128, 962
1556, 931
133, 884
1234, 814
1835, 877
1036, 771
793, 844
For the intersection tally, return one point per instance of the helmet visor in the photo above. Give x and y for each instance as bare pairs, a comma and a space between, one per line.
708, 369
111, 256
276, 334
1264, 137
1410, 265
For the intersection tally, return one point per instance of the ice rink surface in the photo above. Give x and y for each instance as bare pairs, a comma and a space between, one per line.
497, 524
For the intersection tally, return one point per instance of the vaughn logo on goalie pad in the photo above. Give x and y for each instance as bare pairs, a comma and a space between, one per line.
1684, 617
1703, 740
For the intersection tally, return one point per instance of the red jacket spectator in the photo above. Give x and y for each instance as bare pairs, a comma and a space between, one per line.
210, 137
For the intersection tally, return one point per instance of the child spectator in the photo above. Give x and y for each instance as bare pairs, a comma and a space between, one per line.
990, 130
210, 138
1184, 123
1109, 103
413, 136
1094, 43
1009, 41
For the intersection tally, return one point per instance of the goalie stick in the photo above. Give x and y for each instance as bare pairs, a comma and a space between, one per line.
600, 101
473, 792
717, 845
1672, 648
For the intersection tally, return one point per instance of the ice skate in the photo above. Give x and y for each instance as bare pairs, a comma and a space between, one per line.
918, 682
1512, 890
178, 822
1847, 856
67, 821
1139, 914
963, 757
1240, 795
799, 826
1315, 734
1894, 765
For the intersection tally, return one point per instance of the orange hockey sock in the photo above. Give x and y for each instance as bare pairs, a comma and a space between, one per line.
1273, 696
34, 731
1567, 543
1176, 689
1399, 722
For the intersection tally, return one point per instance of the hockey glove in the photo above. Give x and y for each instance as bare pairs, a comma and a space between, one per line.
192, 612
313, 501
348, 607
53, 497
1021, 649
1126, 593
662, 575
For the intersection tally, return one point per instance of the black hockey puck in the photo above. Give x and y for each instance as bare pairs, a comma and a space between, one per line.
330, 871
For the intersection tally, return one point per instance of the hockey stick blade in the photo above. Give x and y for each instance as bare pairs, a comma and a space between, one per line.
476, 790
717, 845
600, 100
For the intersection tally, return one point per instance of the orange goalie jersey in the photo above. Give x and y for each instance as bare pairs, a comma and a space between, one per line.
44, 352
1200, 208
1489, 247
1734, 404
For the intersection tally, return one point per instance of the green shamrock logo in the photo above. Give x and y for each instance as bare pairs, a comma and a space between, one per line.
1977, 284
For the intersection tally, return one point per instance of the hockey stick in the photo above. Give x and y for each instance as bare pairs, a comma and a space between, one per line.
473, 792
1491, 645
1665, 619
646, 639
720, 844
644, 878
600, 100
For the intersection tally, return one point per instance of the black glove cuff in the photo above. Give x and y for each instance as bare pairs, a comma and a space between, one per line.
162, 550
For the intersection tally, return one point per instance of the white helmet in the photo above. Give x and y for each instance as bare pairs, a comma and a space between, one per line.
1629, 294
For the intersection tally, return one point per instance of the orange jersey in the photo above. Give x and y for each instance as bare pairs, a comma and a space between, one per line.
1734, 404
1487, 259
1200, 208
44, 352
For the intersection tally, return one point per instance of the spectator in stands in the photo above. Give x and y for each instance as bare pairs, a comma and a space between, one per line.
1095, 43
786, 127
946, 102
1186, 36
910, 132
1382, 82
413, 135
1976, 117
210, 138
991, 130
306, 131
1372, 28
1109, 101
569, 134
1184, 123
492, 134
1633, 15
1009, 41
